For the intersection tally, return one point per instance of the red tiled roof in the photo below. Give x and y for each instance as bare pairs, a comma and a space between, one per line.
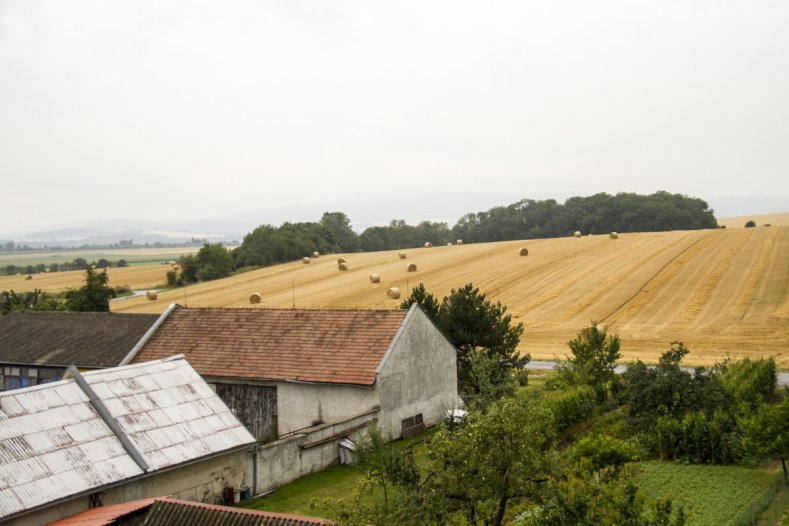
168, 511
332, 346
103, 515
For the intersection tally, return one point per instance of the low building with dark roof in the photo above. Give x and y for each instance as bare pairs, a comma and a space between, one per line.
285, 370
37, 347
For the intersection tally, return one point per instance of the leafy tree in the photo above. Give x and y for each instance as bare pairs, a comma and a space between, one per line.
492, 459
750, 382
668, 390
578, 499
474, 324
37, 300
339, 232
213, 262
123, 263
426, 300
102, 263
188, 266
384, 465
750, 223
594, 359
768, 432
601, 452
80, 263
93, 296
172, 278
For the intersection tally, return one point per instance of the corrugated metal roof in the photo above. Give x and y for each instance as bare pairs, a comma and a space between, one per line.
53, 443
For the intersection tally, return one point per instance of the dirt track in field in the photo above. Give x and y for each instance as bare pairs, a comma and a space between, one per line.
720, 291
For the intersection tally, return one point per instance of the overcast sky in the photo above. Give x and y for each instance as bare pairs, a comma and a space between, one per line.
189, 109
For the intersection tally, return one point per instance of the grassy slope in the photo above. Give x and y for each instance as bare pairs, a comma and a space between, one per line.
720, 291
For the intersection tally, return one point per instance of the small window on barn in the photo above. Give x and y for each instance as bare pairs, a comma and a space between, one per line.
412, 425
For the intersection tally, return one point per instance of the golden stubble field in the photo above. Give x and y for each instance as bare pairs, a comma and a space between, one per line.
140, 277
720, 291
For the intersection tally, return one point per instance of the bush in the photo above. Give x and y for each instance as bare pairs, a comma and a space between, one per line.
570, 410
750, 224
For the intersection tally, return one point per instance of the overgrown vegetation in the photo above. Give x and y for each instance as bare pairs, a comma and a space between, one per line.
93, 296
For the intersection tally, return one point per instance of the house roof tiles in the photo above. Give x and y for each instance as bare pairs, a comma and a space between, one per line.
166, 511
329, 346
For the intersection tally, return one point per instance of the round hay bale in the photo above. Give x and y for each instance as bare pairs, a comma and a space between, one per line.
151, 295
613, 235
412, 267
459, 242
449, 244
305, 260
340, 260
254, 298
524, 252
342, 266
577, 233
316, 254
428, 244
375, 278
28, 277
402, 255
176, 266
393, 293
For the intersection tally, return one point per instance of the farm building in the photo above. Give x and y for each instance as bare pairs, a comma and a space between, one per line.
166, 511
285, 370
37, 347
116, 435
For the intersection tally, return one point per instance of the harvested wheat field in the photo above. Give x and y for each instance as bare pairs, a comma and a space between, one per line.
139, 277
720, 291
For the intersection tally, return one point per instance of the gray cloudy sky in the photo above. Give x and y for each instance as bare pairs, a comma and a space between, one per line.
185, 109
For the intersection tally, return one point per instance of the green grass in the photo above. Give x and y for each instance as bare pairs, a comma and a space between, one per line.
777, 513
306, 495
151, 256
711, 495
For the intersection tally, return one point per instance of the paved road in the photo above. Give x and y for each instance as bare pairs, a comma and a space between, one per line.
783, 377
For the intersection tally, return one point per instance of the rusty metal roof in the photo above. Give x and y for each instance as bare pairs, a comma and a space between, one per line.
54, 444
166, 511
331, 346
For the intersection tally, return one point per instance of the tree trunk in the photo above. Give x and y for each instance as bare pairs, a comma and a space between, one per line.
783, 465
500, 513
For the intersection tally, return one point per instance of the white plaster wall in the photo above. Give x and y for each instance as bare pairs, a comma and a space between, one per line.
301, 405
200, 481
418, 376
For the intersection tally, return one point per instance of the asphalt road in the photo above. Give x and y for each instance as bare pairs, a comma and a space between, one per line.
783, 377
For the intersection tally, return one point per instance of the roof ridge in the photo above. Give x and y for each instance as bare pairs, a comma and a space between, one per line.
240, 511
284, 309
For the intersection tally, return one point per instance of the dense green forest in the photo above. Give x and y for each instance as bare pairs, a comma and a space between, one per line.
526, 219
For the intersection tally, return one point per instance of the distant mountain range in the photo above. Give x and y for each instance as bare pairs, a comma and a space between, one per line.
446, 207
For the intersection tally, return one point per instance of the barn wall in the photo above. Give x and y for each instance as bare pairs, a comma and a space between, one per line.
254, 405
302, 405
303, 453
201, 481
418, 376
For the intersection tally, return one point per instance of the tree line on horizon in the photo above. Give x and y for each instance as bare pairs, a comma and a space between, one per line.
526, 219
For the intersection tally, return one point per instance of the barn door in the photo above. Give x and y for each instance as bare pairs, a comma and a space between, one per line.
254, 405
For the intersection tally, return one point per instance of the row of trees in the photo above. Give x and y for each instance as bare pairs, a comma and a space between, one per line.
76, 264
526, 219
94, 295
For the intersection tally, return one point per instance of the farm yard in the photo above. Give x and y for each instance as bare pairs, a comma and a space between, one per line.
722, 292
